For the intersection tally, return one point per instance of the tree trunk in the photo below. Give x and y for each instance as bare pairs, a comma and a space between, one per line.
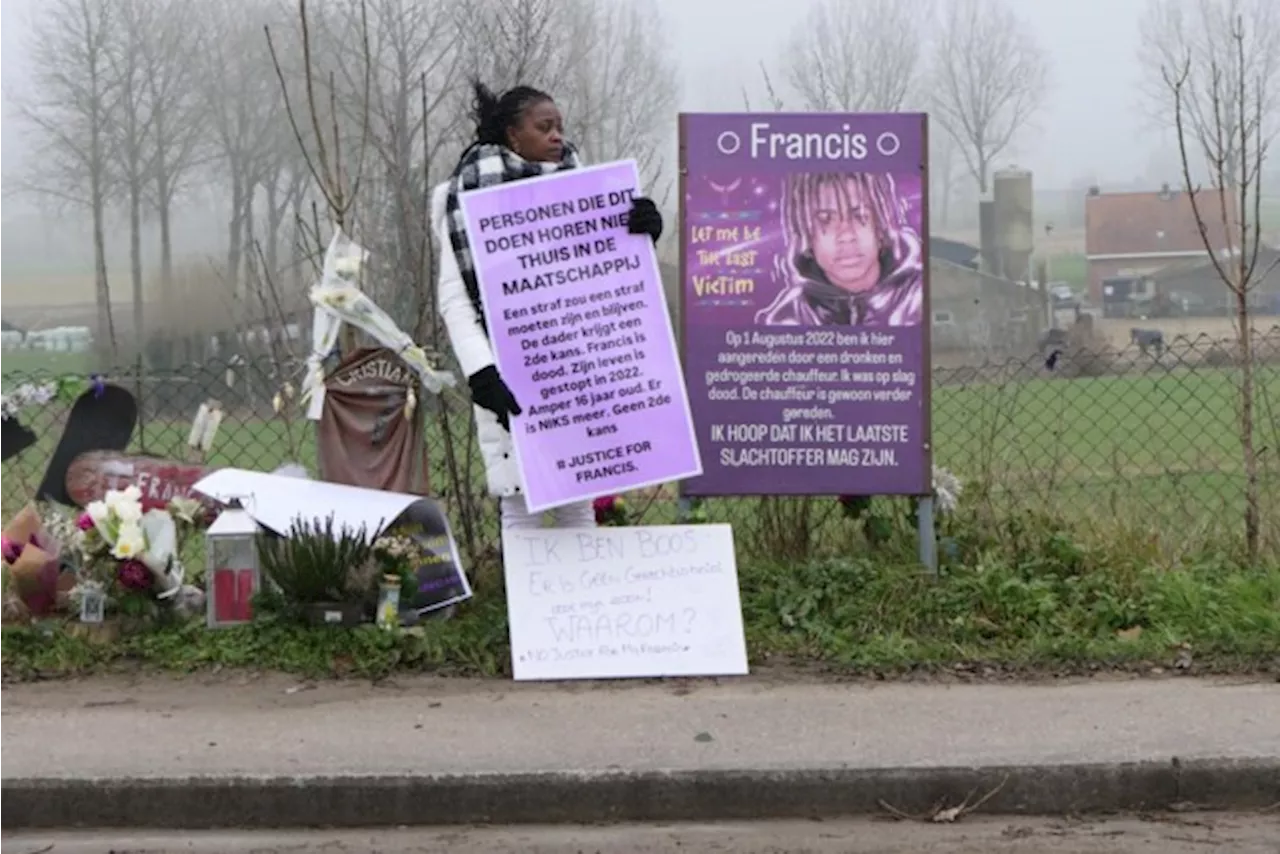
235, 232
1252, 501
164, 210
139, 336
250, 258
106, 343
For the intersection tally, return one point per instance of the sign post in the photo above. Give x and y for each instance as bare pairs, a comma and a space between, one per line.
581, 335
805, 303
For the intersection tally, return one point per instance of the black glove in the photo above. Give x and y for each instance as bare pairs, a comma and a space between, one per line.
645, 218
488, 391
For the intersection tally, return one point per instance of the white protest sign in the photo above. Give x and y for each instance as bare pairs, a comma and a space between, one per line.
607, 603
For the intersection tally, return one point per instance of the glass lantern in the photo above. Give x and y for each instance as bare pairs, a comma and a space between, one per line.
93, 602
232, 573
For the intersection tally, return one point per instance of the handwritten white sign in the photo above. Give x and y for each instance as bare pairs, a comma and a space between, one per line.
623, 602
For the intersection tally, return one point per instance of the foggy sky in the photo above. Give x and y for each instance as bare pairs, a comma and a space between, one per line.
1092, 123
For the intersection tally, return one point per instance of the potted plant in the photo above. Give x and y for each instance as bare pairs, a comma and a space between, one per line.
323, 574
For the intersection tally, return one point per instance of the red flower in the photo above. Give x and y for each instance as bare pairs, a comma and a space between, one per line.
134, 575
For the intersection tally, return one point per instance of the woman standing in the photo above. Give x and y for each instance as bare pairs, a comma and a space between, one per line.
519, 135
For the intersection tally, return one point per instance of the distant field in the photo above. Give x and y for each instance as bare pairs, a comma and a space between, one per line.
46, 288
32, 364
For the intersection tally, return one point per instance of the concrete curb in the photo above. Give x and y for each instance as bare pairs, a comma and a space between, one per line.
591, 797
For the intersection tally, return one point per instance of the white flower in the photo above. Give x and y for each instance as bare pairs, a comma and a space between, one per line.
130, 542
125, 504
946, 489
348, 267
99, 513
185, 509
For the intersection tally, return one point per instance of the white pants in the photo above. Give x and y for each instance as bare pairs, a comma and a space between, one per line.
516, 515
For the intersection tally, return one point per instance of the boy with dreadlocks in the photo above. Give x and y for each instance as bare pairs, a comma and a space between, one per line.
851, 258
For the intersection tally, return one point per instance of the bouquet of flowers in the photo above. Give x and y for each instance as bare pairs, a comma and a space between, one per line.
130, 554
32, 563
338, 299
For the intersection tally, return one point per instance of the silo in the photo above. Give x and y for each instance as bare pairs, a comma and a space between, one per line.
1012, 193
989, 255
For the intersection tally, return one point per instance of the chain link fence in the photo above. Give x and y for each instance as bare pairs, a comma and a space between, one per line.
1126, 441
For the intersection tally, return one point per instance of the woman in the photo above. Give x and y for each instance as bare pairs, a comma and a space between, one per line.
519, 135
852, 259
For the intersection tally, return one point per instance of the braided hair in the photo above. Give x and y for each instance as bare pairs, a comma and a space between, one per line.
495, 116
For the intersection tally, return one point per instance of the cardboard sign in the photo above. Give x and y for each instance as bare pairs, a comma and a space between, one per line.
623, 602
581, 334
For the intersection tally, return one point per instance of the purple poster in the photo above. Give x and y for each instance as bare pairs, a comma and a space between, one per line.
806, 303
581, 334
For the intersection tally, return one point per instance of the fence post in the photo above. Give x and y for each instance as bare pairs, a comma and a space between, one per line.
926, 535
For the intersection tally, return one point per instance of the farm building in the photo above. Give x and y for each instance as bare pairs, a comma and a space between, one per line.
1198, 289
973, 312
1131, 236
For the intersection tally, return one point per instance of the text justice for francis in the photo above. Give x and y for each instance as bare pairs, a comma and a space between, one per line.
582, 336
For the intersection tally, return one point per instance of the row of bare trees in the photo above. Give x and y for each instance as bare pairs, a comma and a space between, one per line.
973, 65
141, 110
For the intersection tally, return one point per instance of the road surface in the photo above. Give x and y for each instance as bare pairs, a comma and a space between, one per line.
1166, 834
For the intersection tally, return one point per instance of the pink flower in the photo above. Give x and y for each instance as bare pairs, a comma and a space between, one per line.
10, 549
134, 575
85, 522
608, 509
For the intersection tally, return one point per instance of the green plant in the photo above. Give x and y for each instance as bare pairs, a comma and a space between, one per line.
315, 564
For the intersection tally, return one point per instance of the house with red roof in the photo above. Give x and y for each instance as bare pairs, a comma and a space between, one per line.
1131, 236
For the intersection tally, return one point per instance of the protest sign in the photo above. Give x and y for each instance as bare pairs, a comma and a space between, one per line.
623, 602
581, 335
805, 302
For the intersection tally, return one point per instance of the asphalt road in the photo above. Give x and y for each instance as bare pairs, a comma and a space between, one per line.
1166, 834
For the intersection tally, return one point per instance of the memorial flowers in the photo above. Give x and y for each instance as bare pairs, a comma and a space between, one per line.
132, 556
31, 551
611, 511
338, 299
27, 394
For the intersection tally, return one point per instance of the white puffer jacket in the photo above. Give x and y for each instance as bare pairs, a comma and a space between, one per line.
473, 351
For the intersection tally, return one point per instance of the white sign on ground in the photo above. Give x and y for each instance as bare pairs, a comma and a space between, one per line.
623, 602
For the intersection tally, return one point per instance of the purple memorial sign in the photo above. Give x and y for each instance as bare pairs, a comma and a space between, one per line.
581, 334
806, 302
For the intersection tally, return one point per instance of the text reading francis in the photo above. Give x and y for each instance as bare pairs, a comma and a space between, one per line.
570, 275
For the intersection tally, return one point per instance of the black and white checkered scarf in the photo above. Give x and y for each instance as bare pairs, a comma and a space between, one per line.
483, 165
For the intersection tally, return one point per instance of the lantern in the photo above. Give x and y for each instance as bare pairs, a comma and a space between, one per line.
232, 571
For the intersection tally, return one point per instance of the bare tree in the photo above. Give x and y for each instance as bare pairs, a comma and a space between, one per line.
129, 132
414, 124
239, 93
178, 126
1202, 35
943, 174
988, 79
70, 114
621, 95
1234, 147
858, 55
533, 42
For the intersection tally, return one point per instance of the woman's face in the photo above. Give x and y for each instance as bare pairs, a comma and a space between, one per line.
539, 135
844, 239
